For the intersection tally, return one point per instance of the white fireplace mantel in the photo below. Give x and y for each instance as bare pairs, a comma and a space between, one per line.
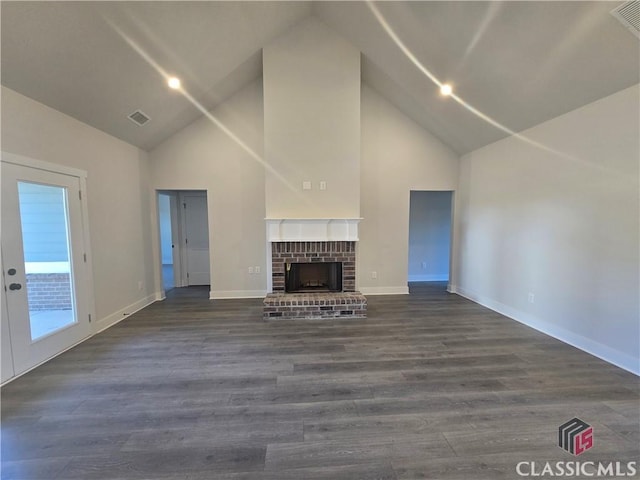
312, 229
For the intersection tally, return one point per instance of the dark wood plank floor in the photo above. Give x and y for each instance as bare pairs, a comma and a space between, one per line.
429, 386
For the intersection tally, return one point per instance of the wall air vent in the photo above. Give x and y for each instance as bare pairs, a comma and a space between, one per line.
139, 118
629, 15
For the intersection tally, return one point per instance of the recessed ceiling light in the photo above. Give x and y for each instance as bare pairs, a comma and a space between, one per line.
174, 82
446, 89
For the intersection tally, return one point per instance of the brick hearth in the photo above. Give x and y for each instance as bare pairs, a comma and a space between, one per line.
315, 305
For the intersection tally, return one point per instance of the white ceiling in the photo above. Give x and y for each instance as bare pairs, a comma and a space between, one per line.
520, 63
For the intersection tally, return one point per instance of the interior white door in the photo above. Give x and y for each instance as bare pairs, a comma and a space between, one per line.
175, 240
196, 238
44, 266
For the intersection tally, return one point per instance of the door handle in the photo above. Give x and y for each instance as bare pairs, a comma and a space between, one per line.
15, 286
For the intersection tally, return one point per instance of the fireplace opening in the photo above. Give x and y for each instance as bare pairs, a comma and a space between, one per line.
313, 277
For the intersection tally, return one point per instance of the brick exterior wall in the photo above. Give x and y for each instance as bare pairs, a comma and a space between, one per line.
312, 252
49, 291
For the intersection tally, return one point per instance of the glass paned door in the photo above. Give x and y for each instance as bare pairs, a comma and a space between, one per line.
43, 263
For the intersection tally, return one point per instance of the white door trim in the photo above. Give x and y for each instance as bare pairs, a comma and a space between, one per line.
21, 160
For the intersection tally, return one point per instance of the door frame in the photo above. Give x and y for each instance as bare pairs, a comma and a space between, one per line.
451, 229
174, 219
178, 232
23, 161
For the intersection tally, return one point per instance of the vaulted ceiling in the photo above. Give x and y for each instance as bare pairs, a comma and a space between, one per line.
512, 64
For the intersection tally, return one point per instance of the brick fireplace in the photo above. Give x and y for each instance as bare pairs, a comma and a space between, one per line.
288, 253
316, 294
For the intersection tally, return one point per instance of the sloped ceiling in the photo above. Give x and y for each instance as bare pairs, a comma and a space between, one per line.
519, 63
79, 57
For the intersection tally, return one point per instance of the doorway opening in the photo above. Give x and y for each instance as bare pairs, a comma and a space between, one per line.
184, 238
430, 226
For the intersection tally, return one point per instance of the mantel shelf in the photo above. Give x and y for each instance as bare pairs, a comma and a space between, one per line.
312, 229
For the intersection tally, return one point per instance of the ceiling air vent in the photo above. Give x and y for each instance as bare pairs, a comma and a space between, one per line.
139, 118
629, 15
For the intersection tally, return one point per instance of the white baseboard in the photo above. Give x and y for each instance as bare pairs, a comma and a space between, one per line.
429, 278
604, 352
160, 296
229, 294
384, 290
116, 317
452, 288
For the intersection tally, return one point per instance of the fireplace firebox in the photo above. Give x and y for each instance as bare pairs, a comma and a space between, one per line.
313, 277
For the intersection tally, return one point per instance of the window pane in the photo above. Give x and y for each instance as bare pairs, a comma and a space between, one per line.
45, 237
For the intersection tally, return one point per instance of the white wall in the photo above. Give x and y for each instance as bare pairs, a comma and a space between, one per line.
117, 200
312, 123
203, 157
401, 156
397, 156
429, 236
561, 226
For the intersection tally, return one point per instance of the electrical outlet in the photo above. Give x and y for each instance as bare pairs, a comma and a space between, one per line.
306, 185
374, 275
250, 270
140, 285
424, 265
257, 269
532, 297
